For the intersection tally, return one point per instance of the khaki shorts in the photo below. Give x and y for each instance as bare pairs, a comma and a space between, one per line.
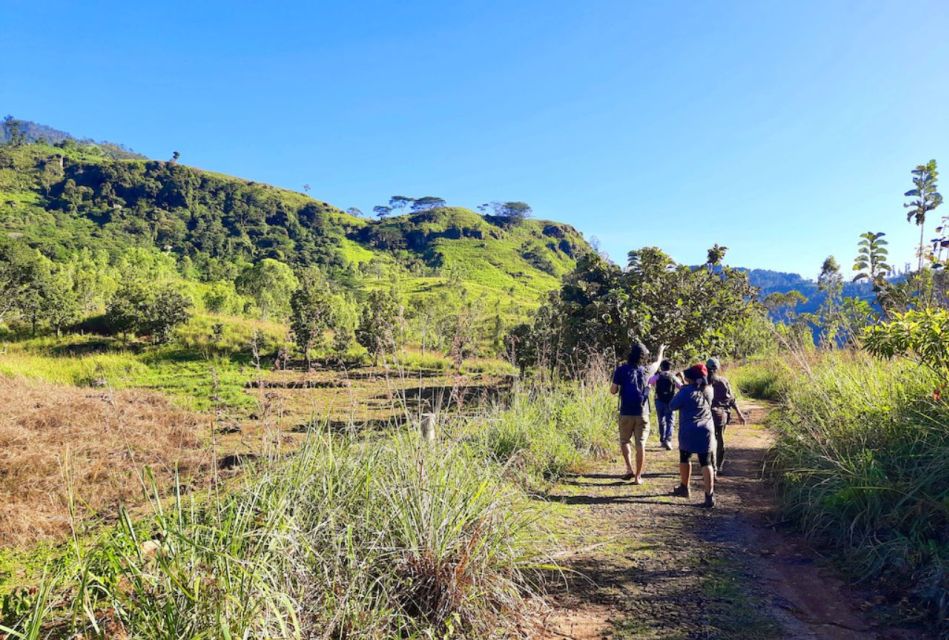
633, 428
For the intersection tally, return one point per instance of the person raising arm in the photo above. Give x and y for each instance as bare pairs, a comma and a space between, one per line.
630, 382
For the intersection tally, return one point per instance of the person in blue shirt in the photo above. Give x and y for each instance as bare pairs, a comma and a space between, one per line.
696, 432
666, 384
631, 382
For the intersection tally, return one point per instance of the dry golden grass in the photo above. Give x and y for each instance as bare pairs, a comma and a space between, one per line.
93, 443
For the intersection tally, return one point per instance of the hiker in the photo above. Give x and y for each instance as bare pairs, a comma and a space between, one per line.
666, 385
696, 432
723, 402
631, 382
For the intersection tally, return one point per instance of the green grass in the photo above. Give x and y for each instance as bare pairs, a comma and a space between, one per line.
861, 461
547, 432
761, 379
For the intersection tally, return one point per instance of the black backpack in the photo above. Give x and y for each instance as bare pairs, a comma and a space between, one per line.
665, 386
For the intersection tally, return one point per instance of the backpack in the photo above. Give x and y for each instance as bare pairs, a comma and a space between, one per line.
665, 387
635, 390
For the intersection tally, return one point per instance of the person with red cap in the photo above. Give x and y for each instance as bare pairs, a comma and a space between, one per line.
696, 432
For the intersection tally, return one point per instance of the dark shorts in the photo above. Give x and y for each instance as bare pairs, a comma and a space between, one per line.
705, 459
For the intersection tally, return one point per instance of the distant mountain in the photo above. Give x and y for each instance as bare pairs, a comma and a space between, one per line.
782, 282
27, 131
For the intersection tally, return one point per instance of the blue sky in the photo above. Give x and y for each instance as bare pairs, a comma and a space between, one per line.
782, 130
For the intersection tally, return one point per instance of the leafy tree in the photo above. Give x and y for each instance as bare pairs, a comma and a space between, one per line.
379, 330
270, 283
19, 268
138, 309
355, 212
382, 211
782, 305
13, 128
427, 202
167, 310
926, 198
127, 308
311, 315
921, 334
174, 156
601, 309
306, 188
222, 297
61, 304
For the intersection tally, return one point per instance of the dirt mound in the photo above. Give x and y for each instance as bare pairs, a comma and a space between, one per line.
57, 440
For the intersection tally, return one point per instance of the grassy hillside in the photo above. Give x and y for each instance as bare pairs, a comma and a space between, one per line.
71, 197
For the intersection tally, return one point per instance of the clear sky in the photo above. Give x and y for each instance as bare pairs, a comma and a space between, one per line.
782, 130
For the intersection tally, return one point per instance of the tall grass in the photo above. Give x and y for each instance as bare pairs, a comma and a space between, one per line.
547, 431
343, 540
862, 460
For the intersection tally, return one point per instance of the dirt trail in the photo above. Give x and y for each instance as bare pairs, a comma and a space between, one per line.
641, 564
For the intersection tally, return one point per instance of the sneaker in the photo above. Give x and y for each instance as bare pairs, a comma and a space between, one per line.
629, 476
709, 500
667, 445
681, 491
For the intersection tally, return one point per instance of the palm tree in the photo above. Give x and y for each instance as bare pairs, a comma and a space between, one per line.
926, 197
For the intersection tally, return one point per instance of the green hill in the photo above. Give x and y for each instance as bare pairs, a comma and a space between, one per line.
75, 197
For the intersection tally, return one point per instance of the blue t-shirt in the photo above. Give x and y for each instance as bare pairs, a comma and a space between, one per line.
633, 390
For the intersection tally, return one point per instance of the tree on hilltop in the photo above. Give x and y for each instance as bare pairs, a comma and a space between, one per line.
510, 213
398, 203
427, 202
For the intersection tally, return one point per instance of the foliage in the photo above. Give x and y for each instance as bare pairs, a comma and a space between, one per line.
926, 199
270, 283
140, 310
920, 334
600, 309
316, 310
861, 464
508, 213
871, 266
379, 329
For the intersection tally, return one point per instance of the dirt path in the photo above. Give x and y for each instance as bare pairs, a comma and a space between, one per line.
641, 564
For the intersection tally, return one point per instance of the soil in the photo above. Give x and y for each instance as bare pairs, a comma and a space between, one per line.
638, 563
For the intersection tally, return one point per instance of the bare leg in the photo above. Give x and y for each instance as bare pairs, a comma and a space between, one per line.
708, 479
685, 473
640, 460
625, 448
